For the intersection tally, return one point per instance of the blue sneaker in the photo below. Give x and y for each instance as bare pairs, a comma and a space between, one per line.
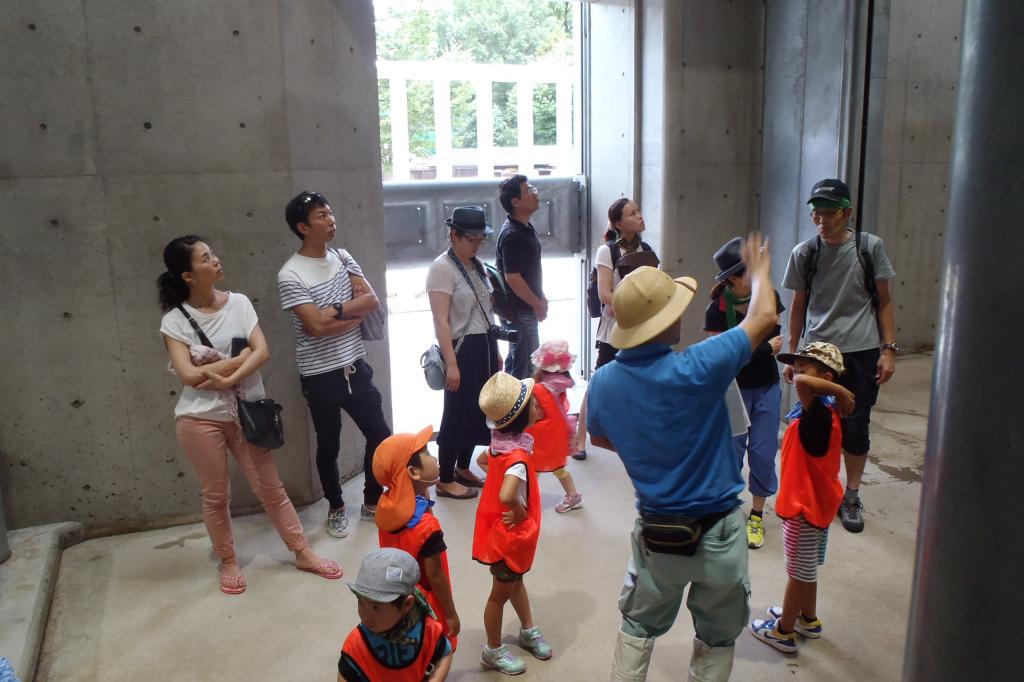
502, 660
809, 629
767, 631
533, 641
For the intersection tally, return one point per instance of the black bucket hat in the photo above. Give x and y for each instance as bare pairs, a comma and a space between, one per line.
729, 260
469, 219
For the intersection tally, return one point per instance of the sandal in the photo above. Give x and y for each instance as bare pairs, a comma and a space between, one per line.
325, 569
468, 495
231, 584
468, 482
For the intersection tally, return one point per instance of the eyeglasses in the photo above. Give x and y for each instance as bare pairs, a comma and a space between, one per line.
824, 212
531, 189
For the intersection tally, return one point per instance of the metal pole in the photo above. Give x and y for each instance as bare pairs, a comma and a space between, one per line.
967, 589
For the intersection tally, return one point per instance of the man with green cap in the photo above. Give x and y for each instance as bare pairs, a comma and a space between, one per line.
840, 283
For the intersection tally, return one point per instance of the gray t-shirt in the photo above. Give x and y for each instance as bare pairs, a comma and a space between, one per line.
444, 276
839, 311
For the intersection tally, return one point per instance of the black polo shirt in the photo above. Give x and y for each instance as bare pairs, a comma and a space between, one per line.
518, 252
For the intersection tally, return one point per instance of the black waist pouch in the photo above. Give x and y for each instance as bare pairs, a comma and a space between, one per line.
676, 534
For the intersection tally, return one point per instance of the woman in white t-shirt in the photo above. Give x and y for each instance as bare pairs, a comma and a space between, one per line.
206, 413
461, 305
625, 224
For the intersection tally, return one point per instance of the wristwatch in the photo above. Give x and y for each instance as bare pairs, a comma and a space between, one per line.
339, 309
891, 346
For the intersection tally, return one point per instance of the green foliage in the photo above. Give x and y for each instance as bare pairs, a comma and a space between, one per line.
463, 115
544, 123
478, 31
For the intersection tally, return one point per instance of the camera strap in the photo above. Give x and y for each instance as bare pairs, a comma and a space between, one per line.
465, 275
476, 295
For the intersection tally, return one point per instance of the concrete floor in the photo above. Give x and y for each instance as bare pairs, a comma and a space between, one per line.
146, 605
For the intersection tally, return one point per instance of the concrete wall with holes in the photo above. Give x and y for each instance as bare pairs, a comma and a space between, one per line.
920, 85
125, 125
712, 90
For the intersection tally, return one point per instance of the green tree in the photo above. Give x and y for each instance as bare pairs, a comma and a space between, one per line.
477, 31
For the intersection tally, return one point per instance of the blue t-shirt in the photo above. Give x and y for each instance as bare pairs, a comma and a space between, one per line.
665, 413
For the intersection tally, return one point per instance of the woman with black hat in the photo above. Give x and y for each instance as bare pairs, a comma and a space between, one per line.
758, 382
461, 305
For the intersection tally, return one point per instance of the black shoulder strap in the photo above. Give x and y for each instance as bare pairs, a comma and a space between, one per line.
812, 269
868, 266
195, 325
615, 252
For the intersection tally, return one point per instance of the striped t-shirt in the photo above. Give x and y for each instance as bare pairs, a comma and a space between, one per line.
322, 282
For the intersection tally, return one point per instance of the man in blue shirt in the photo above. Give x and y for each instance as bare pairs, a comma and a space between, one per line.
664, 413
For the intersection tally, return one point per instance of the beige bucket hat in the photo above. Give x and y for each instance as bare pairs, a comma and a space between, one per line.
503, 397
646, 302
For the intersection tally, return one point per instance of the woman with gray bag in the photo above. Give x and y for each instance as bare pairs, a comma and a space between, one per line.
461, 305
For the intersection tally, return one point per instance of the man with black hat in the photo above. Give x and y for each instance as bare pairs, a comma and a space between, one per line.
840, 283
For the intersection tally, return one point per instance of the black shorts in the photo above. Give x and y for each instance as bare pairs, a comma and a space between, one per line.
503, 574
860, 379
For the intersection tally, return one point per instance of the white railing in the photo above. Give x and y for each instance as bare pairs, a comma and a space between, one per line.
525, 155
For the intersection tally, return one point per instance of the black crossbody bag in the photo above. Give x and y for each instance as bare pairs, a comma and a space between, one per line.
260, 419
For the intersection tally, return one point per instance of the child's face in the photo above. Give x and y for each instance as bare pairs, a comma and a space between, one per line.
811, 368
380, 617
429, 472
535, 411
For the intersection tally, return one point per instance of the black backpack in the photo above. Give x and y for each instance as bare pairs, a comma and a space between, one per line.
504, 302
593, 298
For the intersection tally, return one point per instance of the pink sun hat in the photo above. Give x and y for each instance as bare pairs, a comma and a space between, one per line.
553, 356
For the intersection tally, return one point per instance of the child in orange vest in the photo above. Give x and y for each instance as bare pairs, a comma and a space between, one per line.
404, 519
508, 518
555, 430
397, 639
809, 490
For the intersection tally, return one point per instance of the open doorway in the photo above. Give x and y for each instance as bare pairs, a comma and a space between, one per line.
471, 91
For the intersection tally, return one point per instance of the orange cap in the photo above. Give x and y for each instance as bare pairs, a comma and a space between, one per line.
390, 462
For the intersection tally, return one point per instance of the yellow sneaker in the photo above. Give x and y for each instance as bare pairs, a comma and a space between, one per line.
755, 532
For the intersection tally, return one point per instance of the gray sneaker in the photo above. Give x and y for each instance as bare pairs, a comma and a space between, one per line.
367, 513
533, 641
337, 523
502, 660
850, 513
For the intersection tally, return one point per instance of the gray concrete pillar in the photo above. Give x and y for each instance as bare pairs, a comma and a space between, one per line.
5, 549
963, 616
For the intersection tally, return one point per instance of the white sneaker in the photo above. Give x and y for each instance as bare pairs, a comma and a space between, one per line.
337, 523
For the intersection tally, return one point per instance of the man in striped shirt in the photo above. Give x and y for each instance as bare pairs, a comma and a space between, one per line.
327, 295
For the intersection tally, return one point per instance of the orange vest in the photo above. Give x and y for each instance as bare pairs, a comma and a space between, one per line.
809, 486
412, 540
492, 541
550, 433
359, 649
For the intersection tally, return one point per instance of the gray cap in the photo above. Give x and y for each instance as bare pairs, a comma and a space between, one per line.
386, 574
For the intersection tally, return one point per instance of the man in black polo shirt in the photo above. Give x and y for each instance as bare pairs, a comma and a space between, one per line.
518, 258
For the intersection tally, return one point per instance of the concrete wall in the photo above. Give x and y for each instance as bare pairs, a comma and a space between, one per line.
711, 136
922, 72
127, 124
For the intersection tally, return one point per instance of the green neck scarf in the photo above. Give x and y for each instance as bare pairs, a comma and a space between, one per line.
731, 301
631, 245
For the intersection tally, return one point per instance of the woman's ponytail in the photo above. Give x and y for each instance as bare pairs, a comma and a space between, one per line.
172, 290
614, 216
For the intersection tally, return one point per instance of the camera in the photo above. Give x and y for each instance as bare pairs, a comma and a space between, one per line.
503, 333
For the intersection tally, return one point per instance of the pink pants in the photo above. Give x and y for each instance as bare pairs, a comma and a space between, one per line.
206, 444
